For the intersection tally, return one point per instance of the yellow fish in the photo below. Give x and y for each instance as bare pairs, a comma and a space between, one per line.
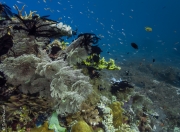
148, 29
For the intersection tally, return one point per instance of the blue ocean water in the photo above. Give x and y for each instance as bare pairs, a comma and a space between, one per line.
119, 23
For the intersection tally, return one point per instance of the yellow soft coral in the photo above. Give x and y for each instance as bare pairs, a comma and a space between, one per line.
112, 66
117, 112
102, 64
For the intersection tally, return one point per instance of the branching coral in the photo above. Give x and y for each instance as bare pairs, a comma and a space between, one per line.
126, 128
87, 113
22, 109
20, 12
63, 28
107, 118
90, 114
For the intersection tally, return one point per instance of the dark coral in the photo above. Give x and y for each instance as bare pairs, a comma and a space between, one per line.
96, 58
2, 79
7, 90
6, 43
120, 86
36, 26
88, 40
96, 50
93, 73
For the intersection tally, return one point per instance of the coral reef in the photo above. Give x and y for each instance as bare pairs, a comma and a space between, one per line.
42, 75
41, 71
37, 72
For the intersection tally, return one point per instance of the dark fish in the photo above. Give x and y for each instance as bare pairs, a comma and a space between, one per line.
153, 60
108, 52
135, 46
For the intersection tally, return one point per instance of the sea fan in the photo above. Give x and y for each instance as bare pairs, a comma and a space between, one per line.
19, 70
